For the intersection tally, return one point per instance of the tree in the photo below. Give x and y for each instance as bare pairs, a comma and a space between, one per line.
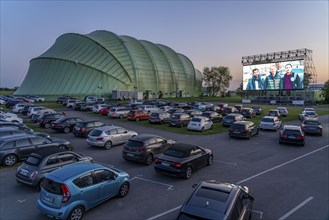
325, 91
217, 78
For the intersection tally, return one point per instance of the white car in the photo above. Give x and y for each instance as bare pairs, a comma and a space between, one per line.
165, 108
150, 108
34, 110
118, 112
270, 123
11, 118
98, 107
200, 123
19, 107
308, 115
283, 111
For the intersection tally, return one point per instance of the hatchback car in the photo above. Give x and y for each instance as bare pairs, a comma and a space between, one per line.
137, 115
213, 116
292, 134
68, 192
308, 115
18, 126
159, 117
217, 200
35, 167
108, 136
20, 147
274, 112
312, 126
248, 112
244, 129
183, 159
200, 123
231, 118
118, 112
228, 110
9, 131
270, 123
82, 129
145, 147
45, 120
65, 125
283, 111
179, 119
257, 109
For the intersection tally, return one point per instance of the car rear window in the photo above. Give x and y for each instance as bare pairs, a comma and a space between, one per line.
230, 117
267, 120
292, 132
213, 194
52, 186
311, 123
95, 132
137, 144
33, 161
237, 126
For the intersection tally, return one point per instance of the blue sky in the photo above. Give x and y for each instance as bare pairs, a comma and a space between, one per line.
210, 33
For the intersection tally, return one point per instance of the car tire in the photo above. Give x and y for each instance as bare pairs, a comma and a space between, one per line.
121, 116
249, 135
202, 129
108, 145
47, 125
124, 189
9, 160
76, 213
66, 130
188, 172
210, 160
137, 119
149, 159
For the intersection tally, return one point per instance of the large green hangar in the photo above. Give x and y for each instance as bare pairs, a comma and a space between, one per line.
99, 62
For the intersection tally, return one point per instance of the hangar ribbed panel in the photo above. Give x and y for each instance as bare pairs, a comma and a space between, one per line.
99, 62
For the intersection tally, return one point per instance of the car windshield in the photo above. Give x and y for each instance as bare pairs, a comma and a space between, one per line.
267, 120
175, 153
292, 132
137, 144
155, 115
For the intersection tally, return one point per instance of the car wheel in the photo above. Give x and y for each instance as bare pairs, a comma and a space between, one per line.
47, 125
188, 172
108, 145
202, 129
137, 119
149, 159
210, 159
66, 130
9, 160
249, 135
76, 213
124, 189
121, 116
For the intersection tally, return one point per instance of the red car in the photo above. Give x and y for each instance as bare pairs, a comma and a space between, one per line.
136, 115
104, 111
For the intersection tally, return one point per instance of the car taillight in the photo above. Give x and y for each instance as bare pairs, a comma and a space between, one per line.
66, 193
300, 137
141, 149
99, 139
83, 129
157, 161
34, 175
177, 165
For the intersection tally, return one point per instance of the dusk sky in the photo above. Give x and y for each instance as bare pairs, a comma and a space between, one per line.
210, 33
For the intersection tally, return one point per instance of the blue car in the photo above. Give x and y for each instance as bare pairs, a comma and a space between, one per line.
68, 192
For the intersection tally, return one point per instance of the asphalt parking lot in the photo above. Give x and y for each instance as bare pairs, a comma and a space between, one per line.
288, 182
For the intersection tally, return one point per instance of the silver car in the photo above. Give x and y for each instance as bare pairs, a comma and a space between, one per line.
283, 111
270, 123
107, 136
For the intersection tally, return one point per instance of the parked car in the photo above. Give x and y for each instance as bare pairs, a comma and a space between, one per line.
11, 118
217, 200
245, 129
82, 129
137, 115
228, 110
145, 147
165, 108
19, 106
36, 98
119, 112
308, 115
87, 107
231, 118
108, 136
71, 102
34, 110
175, 110
44, 161
26, 108
213, 116
19, 126
283, 111
17, 148
248, 113
274, 112
193, 112
179, 119
200, 123
270, 123
312, 126
65, 125
239, 107
257, 109
183, 159
46, 119
292, 134
98, 107
68, 192
104, 111
159, 117
149, 108
9, 131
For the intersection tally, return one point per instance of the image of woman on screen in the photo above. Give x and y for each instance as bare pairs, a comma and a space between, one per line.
273, 80
255, 82
290, 79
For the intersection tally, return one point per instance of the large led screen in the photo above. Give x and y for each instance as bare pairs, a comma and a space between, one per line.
274, 76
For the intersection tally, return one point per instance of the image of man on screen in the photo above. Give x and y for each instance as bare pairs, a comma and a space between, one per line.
273, 80
255, 82
290, 79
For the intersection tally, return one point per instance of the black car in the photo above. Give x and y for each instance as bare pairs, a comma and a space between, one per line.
65, 125
82, 129
159, 117
179, 119
44, 161
292, 134
245, 129
217, 200
45, 120
8, 131
312, 126
183, 159
145, 147
17, 148
213, 116
257, 109
175, 110
231, 118
248, 112
19, 126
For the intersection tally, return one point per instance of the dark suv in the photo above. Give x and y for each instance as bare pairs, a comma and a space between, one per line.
244, 129
231, 118
145, 147
65, 125
217, 200
46, 119
44, 161
179, 119
82, 129
159, 117
292, 134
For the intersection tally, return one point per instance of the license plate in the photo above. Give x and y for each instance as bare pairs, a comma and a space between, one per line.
165, 164
236, 132
130, 155
48, 199
23, 172
292, 137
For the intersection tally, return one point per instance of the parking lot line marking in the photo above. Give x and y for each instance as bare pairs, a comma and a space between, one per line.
283, 164
296, 208
164, 213
252, 177
170, 187
217, 161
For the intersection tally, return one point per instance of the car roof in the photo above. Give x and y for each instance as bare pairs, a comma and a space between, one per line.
143, 137
42, 153
15, 137
107, 127
183, 147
